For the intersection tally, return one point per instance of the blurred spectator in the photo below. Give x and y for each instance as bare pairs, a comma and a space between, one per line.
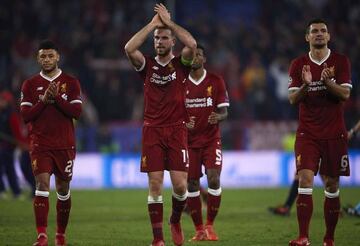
250, 42
10, 136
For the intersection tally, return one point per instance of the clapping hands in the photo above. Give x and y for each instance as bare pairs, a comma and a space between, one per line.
51, 92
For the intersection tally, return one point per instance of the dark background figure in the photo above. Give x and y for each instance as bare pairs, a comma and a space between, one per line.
25, 166
9, 135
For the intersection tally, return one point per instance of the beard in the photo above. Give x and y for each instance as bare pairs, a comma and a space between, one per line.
319, 46
48, 69
163, 51
195, 66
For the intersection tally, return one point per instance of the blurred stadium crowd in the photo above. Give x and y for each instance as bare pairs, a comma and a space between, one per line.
249, 42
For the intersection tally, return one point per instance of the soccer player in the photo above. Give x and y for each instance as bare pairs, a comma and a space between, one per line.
50, 101
284, 209
206, 103
320, 82
164, 134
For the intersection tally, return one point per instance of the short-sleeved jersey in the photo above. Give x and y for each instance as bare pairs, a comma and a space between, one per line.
164, 92
321, 114
202, 98
52, 129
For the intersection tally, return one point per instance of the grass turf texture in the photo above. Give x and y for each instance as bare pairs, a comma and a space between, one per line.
119, 217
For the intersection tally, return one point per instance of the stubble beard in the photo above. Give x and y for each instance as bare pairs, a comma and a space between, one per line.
319, 46
164, 53
49, 70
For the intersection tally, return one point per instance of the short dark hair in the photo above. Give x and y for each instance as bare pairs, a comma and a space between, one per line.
201, 47
47, 44
315, 21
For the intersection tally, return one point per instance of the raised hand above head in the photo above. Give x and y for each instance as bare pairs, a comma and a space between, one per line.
163, 13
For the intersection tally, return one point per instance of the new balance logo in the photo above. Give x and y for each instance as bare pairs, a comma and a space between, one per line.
155, 68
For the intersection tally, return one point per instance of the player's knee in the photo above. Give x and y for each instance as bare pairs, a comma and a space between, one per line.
331, 187
305, 181
180, 188
42, 185
193, 185
214, 182
155, 184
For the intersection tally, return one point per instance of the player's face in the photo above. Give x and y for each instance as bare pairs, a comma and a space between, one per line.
164, 41
318, 35
199, 59
48, 59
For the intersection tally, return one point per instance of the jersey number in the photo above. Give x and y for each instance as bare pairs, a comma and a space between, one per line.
218, 157
344, 163
185, 154
68, 168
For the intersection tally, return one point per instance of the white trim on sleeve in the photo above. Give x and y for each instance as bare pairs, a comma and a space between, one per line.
347, 85
26, 104
142, 66
225, 104
75, 101
294, 88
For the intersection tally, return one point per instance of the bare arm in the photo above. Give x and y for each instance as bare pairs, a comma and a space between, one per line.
341, 92
183, 35
298, 95
220, 115
136, 58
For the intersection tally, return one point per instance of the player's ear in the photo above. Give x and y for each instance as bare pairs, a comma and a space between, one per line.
307, 37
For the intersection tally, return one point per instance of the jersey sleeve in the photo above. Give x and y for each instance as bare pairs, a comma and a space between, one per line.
295, 80
142, 71
343, 75
30, 107
72, 105
222, 97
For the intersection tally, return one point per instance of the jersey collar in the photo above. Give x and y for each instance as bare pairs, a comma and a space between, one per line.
323, 60
51, 78
163, 63
197, 82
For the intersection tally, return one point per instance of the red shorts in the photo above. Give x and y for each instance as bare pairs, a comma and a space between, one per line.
209, 156
329, 157
58, 162
164, 148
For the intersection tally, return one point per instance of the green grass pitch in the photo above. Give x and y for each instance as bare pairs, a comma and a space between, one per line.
119, 217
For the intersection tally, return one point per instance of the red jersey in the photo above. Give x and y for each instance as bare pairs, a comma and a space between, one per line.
51, 125
164, 91
321, 114
202, 98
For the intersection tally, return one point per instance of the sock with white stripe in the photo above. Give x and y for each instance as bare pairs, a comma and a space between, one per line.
194, 207
178, 205
41, 210
63, 207
331, 213
155, 209
304, 207
213, 205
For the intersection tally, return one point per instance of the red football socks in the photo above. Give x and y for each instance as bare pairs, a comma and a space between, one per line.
331, 212
194, 205
156, 217
63, 212
304, 206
